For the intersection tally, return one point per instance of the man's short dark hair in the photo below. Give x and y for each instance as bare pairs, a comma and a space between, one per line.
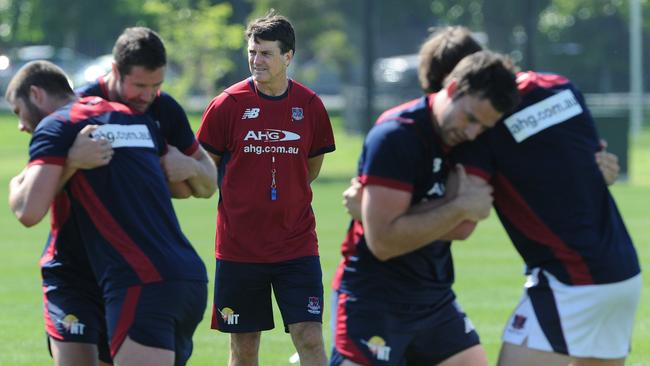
487, 75
440, 53
43, 74
273, 27
139, 46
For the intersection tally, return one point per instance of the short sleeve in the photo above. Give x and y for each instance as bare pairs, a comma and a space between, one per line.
323, 141
391, 157
51, 141
213, 132
178, 132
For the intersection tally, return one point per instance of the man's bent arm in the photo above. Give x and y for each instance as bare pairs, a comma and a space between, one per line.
204, 184
32, 192
392, 231
352, 202
197, 170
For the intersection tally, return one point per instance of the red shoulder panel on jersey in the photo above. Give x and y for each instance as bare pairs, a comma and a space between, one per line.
530, 80
391, 114
89, 107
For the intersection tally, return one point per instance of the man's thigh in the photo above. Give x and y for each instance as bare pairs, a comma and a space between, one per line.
558, 318
298, 288
162, 315
242, 297
515, 355
374, 333
75, 314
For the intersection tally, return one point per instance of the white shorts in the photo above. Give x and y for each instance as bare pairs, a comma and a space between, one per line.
579, 321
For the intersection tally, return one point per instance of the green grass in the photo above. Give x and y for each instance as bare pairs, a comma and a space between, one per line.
489, 272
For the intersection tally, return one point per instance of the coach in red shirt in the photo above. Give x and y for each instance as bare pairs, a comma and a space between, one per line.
268, 135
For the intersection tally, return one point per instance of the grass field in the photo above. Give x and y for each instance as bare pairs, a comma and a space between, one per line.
488, 269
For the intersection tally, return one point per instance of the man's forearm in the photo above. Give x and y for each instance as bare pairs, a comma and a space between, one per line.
204, 182
68, 172
32, 192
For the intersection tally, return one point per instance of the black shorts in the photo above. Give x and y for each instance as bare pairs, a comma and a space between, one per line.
76, 314
161, 315
242, 294
381, 333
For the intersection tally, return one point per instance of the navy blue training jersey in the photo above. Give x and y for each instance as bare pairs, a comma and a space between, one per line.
64, 260
124, 209
402, 152
168, 115
548, 191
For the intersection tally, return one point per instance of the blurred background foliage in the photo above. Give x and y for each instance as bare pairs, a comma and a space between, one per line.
585, 39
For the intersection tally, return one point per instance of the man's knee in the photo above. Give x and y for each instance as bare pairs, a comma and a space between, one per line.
307, 336
244, 344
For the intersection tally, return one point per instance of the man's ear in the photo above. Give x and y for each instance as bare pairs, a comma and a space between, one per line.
288, 57
115, 71
36, 95
451, 87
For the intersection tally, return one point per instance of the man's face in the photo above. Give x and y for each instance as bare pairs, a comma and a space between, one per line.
139, 87
464, 118
29, 115
268, 65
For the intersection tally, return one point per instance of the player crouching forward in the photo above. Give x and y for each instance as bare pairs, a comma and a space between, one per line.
396, 305
153, 282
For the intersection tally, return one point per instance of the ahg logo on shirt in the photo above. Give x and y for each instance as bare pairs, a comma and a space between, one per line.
271, 135
125, 135
543, 114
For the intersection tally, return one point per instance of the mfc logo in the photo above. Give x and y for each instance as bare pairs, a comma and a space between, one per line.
251, 113
271, 135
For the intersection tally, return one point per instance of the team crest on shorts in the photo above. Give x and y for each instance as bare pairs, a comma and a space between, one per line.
313, 305
297, 114
377, 346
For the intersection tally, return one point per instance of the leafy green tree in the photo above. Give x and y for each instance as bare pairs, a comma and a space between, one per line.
88, 26
321, 34
199, 40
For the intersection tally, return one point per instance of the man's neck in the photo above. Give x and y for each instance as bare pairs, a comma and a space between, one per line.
56, 103
273, 90
111, 86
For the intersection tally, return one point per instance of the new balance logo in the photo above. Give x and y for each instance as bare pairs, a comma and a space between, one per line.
251, 113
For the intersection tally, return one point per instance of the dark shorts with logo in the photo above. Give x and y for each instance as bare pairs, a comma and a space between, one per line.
161, 315
76, 314
242, 294
382, 333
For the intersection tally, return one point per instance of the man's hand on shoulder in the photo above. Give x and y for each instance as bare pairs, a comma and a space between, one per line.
88, 152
